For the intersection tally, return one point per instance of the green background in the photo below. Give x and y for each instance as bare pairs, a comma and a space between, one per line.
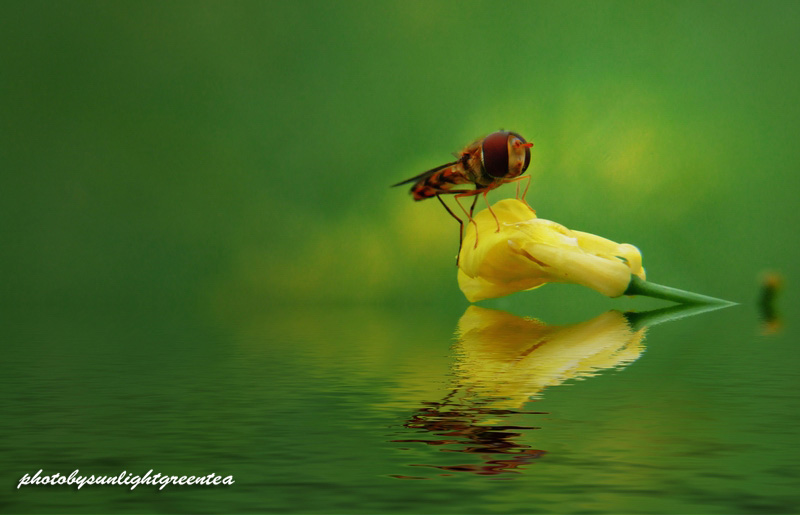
189, 187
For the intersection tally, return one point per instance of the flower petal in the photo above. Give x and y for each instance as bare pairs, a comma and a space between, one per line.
519, 252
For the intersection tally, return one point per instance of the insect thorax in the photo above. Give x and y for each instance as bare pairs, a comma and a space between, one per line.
473, 169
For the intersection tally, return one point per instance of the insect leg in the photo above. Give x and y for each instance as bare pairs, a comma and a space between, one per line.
460, 227
472, 207
525, 191
469, 193
490, 210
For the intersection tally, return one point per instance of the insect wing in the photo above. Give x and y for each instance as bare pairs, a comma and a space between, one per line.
424, 175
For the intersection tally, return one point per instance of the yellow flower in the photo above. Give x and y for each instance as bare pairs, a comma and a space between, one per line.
506, 359
528, 252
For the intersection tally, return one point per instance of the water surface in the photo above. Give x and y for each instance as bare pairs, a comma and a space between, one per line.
373, 410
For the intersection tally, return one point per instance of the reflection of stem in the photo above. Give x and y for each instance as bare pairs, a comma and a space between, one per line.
657, 316
641, 287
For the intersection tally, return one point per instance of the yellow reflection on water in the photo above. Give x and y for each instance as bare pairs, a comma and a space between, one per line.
509, 359
502, 361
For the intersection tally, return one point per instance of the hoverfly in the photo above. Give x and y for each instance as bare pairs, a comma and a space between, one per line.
499, 158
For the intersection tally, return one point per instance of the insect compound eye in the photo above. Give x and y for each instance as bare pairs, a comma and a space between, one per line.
494, 154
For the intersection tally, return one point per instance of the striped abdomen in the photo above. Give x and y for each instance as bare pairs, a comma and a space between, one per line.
439, 182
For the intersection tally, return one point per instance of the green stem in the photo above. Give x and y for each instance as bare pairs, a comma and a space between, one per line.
641, 287
668, 314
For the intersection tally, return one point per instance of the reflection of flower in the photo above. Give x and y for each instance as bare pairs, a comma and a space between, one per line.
510, 359
502, 361
527, 252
